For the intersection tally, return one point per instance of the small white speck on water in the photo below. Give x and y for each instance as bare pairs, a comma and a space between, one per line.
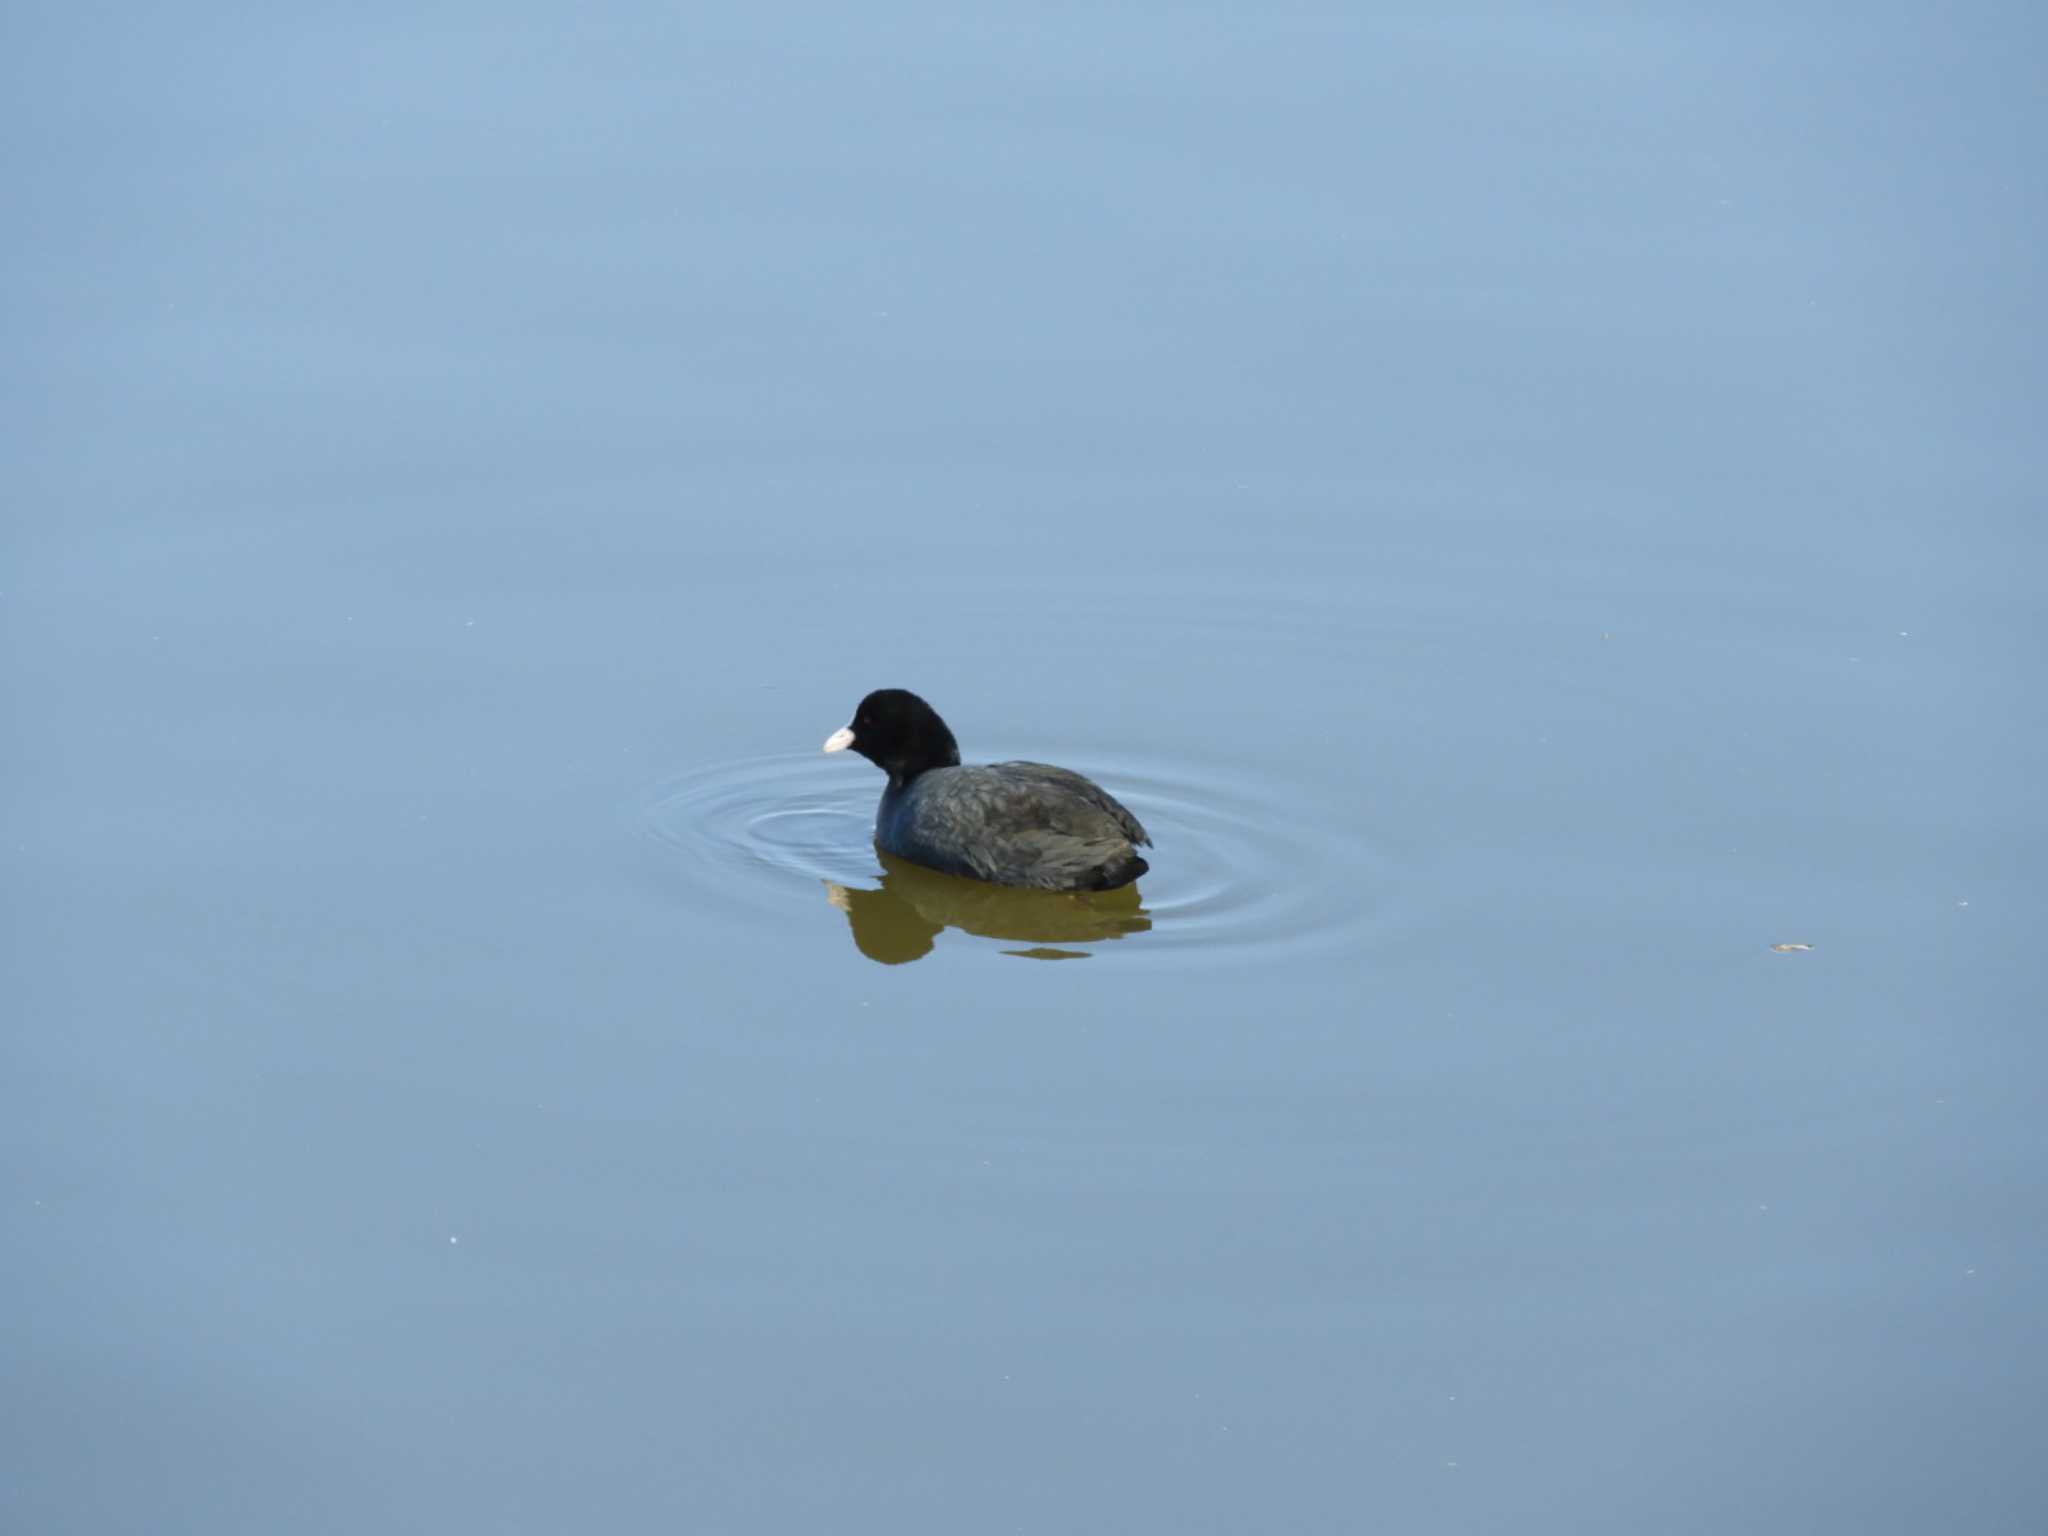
469, 623
1962, 903
452, 1241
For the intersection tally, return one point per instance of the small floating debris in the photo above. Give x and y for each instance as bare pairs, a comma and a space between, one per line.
1789, 949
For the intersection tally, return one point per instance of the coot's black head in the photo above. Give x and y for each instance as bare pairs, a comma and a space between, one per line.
899, 733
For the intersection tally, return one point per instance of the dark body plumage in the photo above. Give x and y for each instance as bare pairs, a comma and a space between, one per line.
1027, 824
1015, 824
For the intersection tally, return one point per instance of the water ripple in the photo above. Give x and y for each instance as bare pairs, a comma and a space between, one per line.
1239, 862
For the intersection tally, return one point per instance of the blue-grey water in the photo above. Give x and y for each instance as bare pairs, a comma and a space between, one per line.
1534, 508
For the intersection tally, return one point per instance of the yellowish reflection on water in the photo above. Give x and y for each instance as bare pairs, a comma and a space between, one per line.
902, 919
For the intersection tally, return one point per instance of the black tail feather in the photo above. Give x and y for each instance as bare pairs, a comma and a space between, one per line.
1119, 872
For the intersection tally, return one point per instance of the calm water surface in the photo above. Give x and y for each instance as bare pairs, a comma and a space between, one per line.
1532, 512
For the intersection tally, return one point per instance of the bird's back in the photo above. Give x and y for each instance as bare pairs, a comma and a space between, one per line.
1027, 824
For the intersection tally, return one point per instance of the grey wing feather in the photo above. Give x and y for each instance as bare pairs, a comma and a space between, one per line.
1087, 790
1017, 824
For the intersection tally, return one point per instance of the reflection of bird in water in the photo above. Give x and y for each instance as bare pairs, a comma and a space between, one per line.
899, 921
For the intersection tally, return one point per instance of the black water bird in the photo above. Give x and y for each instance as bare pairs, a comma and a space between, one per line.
1026, 824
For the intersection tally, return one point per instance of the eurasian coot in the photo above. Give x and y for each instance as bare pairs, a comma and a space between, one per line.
1012, 823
